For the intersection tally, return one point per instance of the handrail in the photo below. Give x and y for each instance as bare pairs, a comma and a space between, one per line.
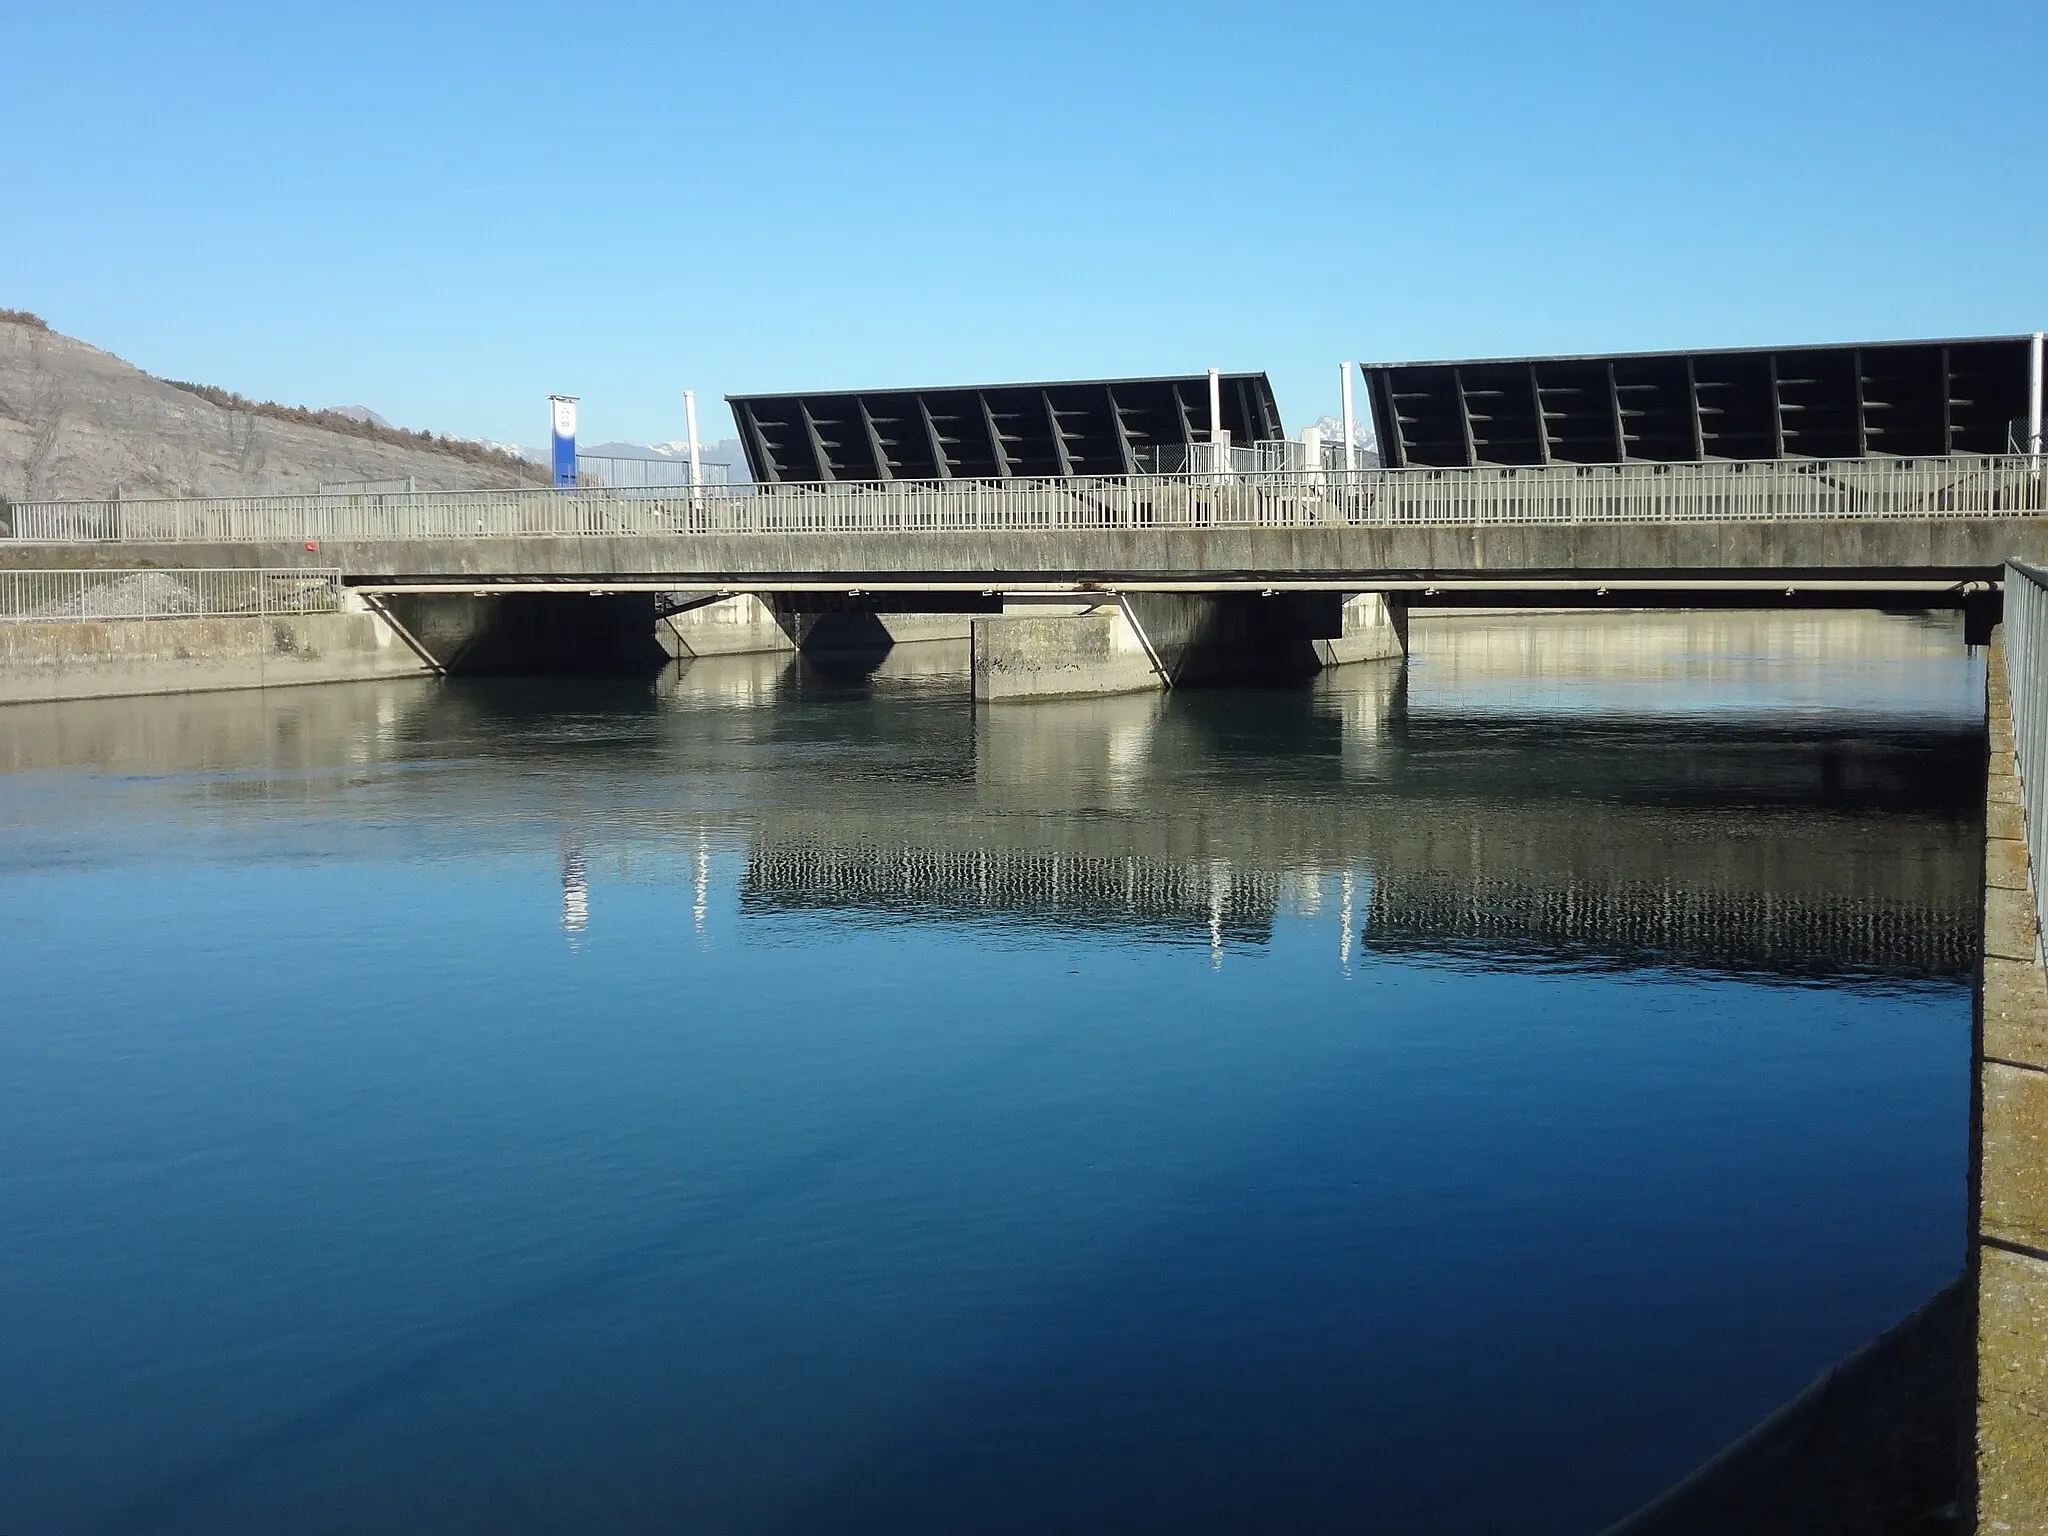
1993, 486
2026, 671
91, 596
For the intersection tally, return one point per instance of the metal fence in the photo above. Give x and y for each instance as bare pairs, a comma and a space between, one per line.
2026, 670
630, 474
403, 485
1266, 457
2007, 486
67, 597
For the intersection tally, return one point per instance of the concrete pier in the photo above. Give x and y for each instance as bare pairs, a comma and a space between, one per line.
1151, 640
1053, 656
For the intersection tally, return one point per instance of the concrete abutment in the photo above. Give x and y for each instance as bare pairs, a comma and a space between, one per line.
117, 658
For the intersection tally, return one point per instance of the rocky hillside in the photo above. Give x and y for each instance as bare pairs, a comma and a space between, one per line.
78, 422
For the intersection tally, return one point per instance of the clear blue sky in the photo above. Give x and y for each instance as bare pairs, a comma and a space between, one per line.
446, 211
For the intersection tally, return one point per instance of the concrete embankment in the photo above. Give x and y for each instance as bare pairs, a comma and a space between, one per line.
1870, 1449
397, 636
46, 661
2010, 1248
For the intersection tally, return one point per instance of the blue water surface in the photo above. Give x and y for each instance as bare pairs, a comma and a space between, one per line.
775, 1100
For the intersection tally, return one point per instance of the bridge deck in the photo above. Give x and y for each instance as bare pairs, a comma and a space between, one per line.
1771, 491
1930, 520
1936, 552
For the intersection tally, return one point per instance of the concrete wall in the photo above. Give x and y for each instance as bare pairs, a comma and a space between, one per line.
1150, 640
140, 656
2010, 1240
747, 625
869, 632
734, 626
1372, 629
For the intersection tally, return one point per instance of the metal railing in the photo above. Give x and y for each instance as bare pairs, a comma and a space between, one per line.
403, 485
2026, 671
69, 597
1267, 456
2006, 486
612, 472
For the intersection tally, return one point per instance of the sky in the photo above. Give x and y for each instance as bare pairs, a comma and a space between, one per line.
446, 212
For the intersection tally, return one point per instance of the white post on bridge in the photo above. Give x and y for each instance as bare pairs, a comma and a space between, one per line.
2034, 398
1219, 439
690, 436
1349, 429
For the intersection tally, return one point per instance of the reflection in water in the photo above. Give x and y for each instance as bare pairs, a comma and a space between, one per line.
1765, 856
1806, 842
575, 892
1656, 665
1138, 898
1308, 1107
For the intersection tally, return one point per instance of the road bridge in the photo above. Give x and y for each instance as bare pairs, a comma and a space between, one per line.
1182, 572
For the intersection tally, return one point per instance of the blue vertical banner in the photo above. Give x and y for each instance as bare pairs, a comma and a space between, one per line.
562, 414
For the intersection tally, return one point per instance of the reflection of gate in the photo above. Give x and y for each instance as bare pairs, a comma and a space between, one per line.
1670, 923
1057, 889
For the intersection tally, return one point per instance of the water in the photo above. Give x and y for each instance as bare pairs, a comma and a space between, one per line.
1442, 1100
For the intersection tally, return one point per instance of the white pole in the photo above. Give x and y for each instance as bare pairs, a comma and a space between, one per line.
1350, 430
2034, 397
1218, 457
690, 430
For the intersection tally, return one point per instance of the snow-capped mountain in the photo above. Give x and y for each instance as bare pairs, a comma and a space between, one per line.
1332, 429
725, 451
519, 450
358, 413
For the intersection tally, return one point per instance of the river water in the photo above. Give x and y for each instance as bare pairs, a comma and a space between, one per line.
1452, 1097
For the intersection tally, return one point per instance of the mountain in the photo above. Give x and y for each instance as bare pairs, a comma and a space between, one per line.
1332, 428
77, 422
726, 451
356, 413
